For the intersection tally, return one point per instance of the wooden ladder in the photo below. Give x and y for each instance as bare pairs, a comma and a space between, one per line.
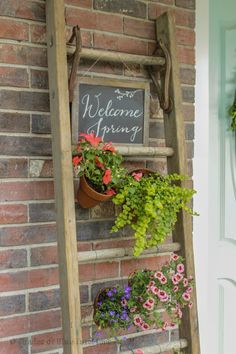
63, 185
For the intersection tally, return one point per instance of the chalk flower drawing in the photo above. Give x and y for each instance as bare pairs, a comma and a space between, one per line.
127, 94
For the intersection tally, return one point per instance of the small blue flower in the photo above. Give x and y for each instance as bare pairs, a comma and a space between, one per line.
112, 313
127, 289
114, 290
99, 303
110, 293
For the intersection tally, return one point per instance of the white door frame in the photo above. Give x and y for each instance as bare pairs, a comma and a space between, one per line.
201, 169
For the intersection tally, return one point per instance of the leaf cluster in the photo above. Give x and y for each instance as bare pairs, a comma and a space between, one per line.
232, 113
150, 206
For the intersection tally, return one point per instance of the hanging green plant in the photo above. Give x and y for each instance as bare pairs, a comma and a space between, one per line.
232, 113
150, 205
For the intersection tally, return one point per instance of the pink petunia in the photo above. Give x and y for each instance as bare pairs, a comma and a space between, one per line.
163, 280
185, 282
178, 277
163, 296
107, 177
189, 290
175, 289
133, 309
174, 257
137, 320
174, 280
124, 302
158, 275
92, 139
137, 175
186, 296
154, 290
165, 325
190, 305
180, 268
145, 326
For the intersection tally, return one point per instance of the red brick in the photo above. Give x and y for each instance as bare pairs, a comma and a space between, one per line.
94, 20
188, 112
10, 305
189, 4
95, 271
14, 122
23, 55
27, 9
39, 79
25, 235
84, 246
134, 8
120, 44
186, 55
13, 259
15, 77
80, 3
38, 33
28, 279
10, 191
15, 346
13, 168
185, 36
182, 17
14, 30
44, 255
139, 28
155, 263
109, 348
113, 244
13, 214
31, 323
187, 76
24, 100
52, 340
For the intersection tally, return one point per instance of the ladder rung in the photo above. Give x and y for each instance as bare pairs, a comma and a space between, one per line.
160, 348
124, 252
141, 151
118, 57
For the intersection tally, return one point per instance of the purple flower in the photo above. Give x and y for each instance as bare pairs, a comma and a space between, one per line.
110, 293
98, 334
112, 313
114, 290
99, 303
127, 289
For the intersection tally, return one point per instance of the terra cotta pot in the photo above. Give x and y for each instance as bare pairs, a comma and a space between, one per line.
87, 196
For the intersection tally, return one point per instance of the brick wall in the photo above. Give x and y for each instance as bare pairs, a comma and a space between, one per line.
30, 317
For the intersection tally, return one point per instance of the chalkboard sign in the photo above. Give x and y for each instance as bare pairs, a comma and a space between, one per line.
114, 110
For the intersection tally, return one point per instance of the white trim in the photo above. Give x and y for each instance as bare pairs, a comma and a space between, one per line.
201, 167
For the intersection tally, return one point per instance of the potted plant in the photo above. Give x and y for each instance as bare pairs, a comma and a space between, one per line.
150, 205
98, 165
138, 303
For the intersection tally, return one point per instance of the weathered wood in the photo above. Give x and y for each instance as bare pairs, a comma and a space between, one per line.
175, 137
141, 151
117, 57
111, 253
63, 185
161, 348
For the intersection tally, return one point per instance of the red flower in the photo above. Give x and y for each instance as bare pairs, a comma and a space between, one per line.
137, 176
139, 351
92, 139
108, 147
107, 177
98, 162
110, 192
76, 160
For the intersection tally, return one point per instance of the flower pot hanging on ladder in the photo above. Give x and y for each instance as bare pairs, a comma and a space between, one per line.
98, 165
